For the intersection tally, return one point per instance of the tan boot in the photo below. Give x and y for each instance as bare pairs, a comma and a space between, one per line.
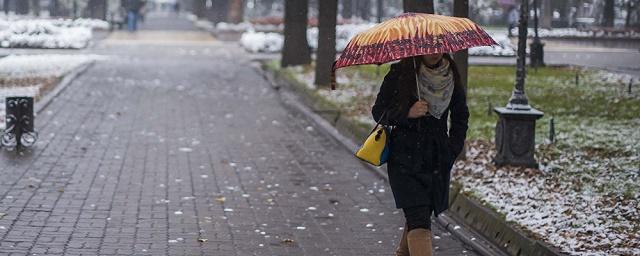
403, 247
419, 241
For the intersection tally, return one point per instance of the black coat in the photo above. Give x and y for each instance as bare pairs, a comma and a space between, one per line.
422, 152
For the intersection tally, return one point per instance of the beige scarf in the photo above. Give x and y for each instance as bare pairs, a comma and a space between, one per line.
436, 87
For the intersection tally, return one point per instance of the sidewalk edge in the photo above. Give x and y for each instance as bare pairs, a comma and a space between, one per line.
293, 100
40, 105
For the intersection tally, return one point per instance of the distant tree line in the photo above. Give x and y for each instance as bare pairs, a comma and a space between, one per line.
68, 8
296, 50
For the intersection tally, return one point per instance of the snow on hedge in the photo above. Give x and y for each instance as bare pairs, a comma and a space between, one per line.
271, 42
262, 42
25, 32
504, 47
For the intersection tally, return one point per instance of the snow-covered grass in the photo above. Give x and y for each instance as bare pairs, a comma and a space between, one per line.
35, 75
586, 205
263, 42
27, 32
585, 197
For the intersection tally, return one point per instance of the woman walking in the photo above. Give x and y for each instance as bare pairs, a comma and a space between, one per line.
423, 147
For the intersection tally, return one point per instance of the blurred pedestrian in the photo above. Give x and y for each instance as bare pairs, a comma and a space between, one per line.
176, 7
133, 8
512, 19
422, 147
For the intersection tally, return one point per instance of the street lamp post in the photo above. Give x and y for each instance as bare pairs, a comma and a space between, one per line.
515, 130
536, 57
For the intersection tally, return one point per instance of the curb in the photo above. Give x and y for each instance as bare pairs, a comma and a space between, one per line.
297, 102
494, 228
474, 224
40, 105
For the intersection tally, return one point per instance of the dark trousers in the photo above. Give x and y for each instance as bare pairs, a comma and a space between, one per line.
418, 217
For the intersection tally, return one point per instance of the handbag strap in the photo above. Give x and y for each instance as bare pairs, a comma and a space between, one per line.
378, 123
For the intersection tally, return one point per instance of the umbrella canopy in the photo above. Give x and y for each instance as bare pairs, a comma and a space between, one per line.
412, 34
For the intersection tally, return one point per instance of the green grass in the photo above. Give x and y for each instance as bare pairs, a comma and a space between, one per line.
551, 90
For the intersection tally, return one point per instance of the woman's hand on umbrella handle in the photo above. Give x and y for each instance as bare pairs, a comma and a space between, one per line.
419, 109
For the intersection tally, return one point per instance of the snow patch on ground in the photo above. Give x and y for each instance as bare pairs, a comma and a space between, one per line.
45, 65
581, 204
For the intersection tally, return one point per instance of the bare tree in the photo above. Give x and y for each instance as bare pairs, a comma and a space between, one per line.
631, 6
22, 7
218, 11
380, 10
461, 9
424, 6
54, 8
5, 6
296, 47
97, 9
608, 14
199, 8
326, 41
35, 6
547, 13
364, 9
347, 9
236, 11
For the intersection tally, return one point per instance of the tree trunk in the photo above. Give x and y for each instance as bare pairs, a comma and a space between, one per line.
547, 14
461, 9
236, 11
380, 8
424, 6
54, 8
5, 6
627, 19
219, 11
326, 41
22, 7
35, 6
97, 9
296, 48
608, 13
199, 8
364, 9
346, 9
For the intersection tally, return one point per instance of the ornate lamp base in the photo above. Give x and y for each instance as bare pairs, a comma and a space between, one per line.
515, 137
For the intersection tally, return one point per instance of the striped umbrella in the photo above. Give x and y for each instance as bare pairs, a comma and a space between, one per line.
411, 34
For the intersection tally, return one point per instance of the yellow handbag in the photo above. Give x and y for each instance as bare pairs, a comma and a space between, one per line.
375, 149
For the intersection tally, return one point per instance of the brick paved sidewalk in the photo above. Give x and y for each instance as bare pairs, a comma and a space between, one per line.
162, 145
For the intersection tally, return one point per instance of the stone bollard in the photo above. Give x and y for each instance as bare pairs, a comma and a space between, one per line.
19, 130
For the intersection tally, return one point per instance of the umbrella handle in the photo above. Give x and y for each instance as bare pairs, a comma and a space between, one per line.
415, 69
